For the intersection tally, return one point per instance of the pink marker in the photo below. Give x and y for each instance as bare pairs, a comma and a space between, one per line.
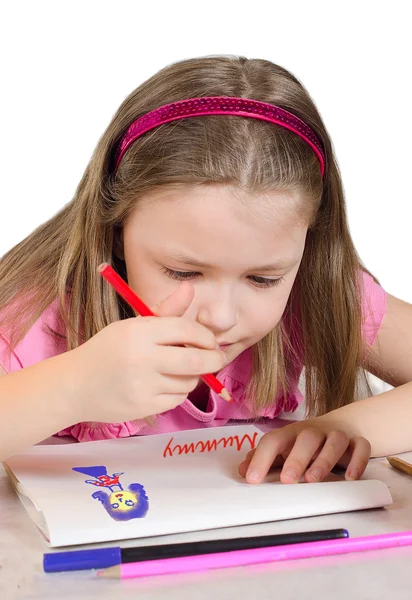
204, 562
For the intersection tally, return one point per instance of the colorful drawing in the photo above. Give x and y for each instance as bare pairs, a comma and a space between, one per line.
121, 505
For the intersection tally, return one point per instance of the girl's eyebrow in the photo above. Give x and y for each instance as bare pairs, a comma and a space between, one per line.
193, 262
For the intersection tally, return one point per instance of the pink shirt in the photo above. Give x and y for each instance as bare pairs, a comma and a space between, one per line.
38, 345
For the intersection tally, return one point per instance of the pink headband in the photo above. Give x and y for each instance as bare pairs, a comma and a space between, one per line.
221, 105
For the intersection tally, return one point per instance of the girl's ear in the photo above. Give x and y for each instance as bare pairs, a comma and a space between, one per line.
118, 247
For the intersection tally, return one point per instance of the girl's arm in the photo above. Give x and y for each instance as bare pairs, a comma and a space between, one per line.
131, 369
35, 403
376, 426
385, 420
347, 436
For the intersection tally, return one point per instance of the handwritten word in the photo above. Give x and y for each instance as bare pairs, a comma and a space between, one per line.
209, 445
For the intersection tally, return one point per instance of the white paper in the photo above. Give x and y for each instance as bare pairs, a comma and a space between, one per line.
194, 488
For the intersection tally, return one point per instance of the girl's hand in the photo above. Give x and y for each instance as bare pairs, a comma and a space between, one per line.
306, 449
137, 367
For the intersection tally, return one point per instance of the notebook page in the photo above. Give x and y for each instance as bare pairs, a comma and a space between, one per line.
169, 483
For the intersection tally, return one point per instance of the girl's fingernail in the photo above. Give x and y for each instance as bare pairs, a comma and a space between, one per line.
353, 474
291, 473
253, 476
316, 474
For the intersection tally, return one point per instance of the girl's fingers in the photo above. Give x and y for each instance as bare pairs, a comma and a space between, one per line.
270, 446
175, 384
298, 450
178, 331
188, 361
177, 303
243, 467
307, 443
335, 446
361, 452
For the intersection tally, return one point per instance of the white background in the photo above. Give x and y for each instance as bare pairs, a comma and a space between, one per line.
66, 67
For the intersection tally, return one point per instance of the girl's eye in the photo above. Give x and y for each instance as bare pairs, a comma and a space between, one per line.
262, 282
265, 282
180, 275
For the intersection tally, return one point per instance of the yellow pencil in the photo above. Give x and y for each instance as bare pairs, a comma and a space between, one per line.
400, 465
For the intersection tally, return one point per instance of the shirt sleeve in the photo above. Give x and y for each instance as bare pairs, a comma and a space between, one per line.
37, 345
374, 306
9, 360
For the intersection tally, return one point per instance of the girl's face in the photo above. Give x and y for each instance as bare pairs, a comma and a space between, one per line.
240, 252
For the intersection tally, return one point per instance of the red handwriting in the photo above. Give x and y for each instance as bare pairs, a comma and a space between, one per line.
209, 445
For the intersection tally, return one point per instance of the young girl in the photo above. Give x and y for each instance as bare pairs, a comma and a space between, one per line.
215, 193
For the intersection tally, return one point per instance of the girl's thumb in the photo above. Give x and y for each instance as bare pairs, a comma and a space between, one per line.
177, 303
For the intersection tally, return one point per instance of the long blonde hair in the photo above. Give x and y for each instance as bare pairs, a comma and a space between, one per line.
324, 307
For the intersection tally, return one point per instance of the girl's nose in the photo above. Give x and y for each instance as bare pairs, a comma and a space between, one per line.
218, 315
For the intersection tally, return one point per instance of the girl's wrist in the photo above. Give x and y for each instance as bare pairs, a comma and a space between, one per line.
71, 400
326, 423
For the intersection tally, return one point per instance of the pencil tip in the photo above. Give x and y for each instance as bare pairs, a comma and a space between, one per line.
225, 395
110, 573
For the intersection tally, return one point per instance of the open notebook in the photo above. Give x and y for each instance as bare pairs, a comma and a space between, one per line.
162, 484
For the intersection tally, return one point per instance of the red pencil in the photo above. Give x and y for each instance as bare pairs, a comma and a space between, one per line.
135, 302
